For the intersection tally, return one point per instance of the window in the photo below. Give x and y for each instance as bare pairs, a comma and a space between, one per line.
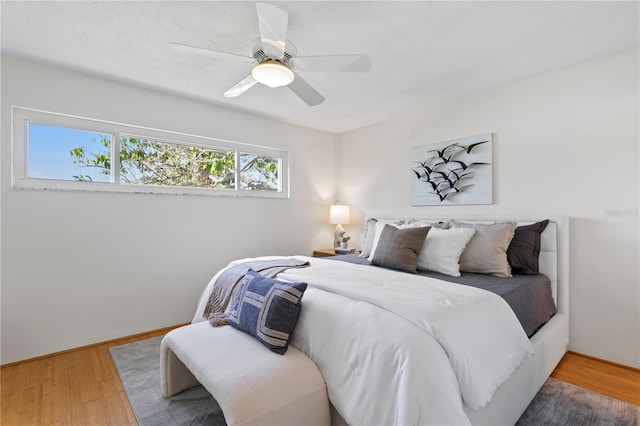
258, 173
55, 151
153, 162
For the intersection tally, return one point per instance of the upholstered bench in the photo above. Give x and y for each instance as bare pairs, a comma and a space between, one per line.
253, 385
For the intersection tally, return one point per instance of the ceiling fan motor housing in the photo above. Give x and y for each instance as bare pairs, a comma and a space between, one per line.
259, 55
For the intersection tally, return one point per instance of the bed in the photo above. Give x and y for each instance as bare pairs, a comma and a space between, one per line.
368, 339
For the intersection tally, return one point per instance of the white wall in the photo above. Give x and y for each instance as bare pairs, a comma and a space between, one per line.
79, 268
565, 143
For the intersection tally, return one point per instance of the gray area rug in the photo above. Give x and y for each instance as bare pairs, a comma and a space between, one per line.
560, 403
138, 365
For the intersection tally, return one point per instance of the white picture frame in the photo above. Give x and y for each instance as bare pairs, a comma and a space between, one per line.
456, 172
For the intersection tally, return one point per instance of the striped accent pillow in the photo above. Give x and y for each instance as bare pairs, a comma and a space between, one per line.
267, 309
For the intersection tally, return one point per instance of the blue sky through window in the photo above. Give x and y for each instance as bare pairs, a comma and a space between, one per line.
50, 152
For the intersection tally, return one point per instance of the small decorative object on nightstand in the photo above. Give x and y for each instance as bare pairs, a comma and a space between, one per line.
340, 250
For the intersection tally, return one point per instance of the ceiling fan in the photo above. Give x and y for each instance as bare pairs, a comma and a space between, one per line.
276, 61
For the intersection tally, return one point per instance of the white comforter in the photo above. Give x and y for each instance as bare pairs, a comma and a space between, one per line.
396, 348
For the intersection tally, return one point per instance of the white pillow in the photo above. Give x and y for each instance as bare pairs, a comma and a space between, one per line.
368, 239
442, 250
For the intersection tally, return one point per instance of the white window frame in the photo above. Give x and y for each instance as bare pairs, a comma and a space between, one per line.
21, 117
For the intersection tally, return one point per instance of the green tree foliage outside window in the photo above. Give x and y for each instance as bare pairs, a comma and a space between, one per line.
258, 173
149, 162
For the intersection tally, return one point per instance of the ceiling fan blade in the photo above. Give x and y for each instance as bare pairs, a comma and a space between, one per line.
241, 87
177, 47
273, 23
305, 91
332, 63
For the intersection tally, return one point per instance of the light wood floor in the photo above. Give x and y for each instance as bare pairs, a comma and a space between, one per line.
82, 387
76, 387
607, 378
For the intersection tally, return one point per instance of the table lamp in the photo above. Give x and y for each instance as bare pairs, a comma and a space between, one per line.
339, 215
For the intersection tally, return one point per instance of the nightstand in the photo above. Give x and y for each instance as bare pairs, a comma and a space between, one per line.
328, 252
324, 253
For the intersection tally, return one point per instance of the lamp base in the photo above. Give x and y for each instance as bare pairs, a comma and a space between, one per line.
338, 234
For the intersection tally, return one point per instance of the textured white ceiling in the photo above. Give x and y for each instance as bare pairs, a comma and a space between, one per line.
422, 52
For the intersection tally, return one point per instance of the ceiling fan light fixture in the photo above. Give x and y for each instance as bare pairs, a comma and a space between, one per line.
272, 74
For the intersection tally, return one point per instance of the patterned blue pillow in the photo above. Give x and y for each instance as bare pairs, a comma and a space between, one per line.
267, 309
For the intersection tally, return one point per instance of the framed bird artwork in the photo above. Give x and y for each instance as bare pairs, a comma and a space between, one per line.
455, 172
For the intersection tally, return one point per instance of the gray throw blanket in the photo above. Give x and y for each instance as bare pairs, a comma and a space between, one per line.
224, 290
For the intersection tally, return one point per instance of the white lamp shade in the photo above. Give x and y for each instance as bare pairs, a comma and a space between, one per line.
339, 214
272, 74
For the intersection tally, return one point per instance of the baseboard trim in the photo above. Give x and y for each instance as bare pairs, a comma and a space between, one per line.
111, 342
615, 364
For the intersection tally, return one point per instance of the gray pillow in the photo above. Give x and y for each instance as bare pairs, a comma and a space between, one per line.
399, 248
524, 250
486, 252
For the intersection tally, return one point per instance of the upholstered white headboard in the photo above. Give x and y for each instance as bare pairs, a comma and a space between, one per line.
554, 248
